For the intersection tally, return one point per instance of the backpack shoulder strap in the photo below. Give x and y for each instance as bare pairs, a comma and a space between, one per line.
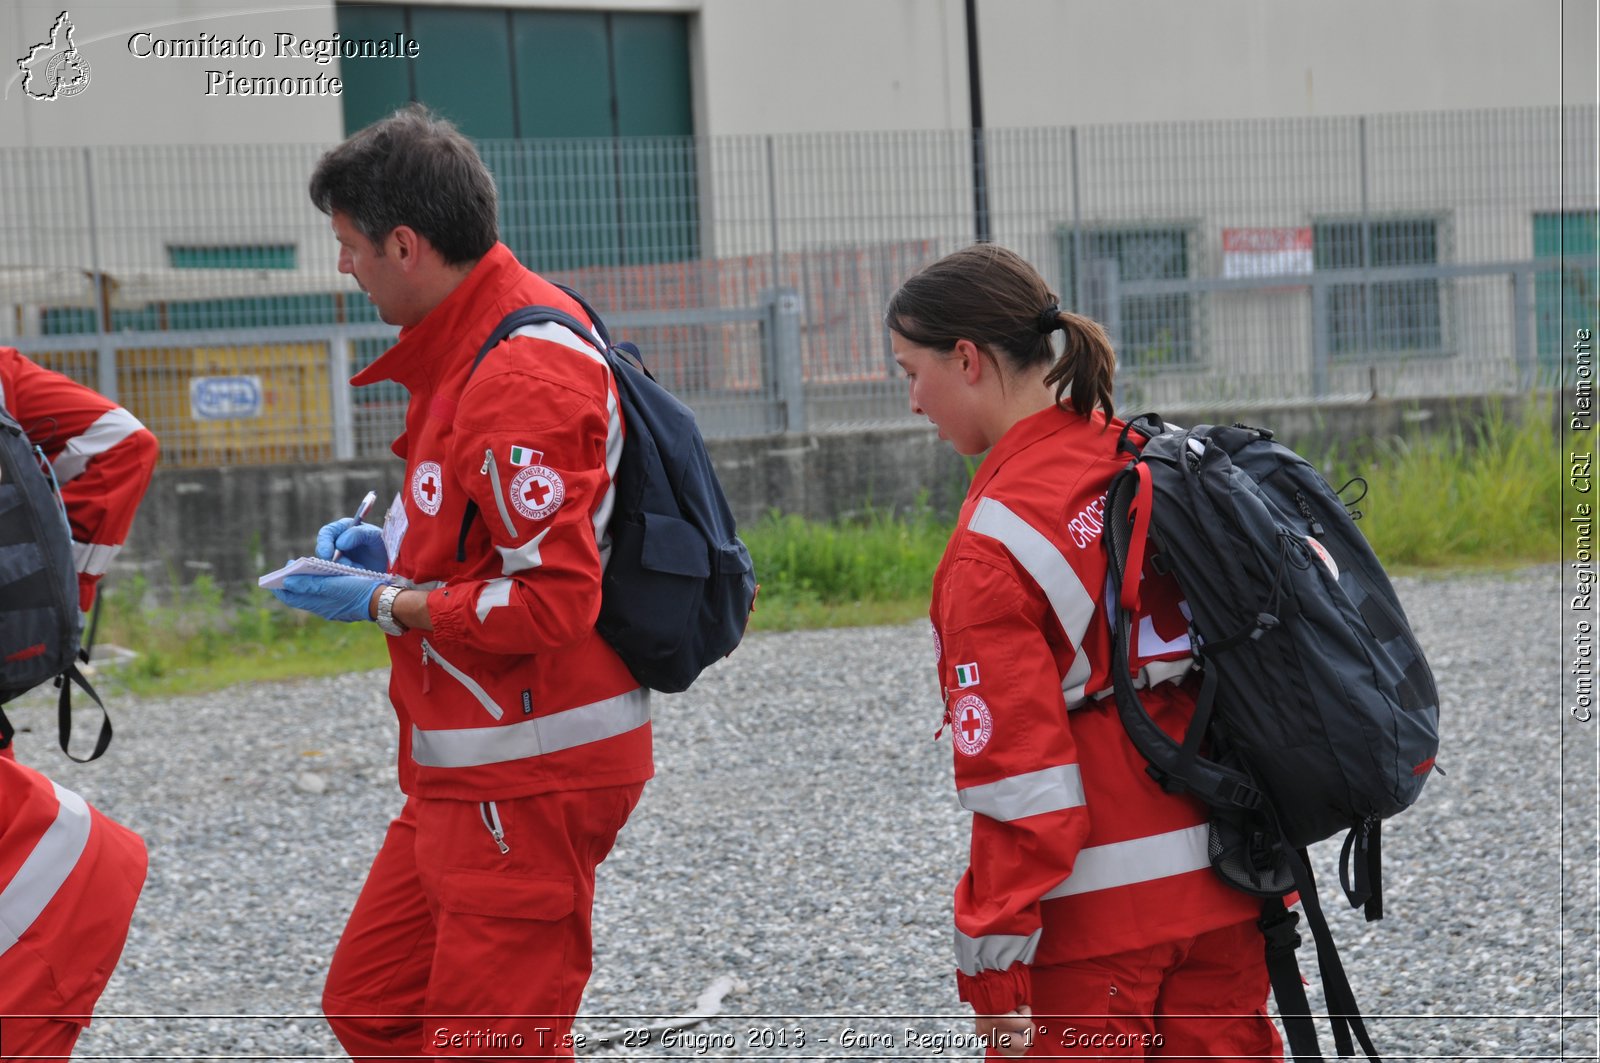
522, 318
1177, 767
538, 315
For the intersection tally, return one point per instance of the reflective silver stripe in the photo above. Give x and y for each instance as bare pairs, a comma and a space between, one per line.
1073, 605
1158, 672
495, 593
521, 558
1030, 794
113, 427
471, 747
45, 869
473, 688
93, 558
555, 333
1103, 867
994, 952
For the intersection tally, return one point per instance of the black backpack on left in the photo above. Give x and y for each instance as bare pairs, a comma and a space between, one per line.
41, 627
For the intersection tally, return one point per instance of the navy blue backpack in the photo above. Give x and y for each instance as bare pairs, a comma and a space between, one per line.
679, 584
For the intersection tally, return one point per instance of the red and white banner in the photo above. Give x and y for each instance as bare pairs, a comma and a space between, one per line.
1266, 252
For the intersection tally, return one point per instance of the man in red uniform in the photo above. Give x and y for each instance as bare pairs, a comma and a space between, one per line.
524, 740
69, 876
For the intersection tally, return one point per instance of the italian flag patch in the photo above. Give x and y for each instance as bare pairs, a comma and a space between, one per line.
967, 674
524, 456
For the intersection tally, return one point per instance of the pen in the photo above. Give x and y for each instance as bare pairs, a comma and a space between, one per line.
361, 512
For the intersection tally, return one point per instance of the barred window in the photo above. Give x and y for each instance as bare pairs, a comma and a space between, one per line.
1390, 316
1150, 330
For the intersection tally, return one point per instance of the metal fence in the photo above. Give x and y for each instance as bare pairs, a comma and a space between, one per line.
1233, 262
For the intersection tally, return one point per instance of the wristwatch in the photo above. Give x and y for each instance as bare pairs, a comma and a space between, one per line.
386, 621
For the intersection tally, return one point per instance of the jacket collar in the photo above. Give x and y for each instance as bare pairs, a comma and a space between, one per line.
1030, 430
423, 351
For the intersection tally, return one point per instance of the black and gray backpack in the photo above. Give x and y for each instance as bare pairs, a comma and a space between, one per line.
1317, 712
41, 627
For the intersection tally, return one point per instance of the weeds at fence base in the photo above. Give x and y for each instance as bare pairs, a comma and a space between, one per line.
1489, 497
203, 641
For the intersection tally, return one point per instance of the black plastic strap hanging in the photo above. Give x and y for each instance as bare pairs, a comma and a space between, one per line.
1361, 868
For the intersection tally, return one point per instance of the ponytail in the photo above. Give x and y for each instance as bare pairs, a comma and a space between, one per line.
991, 296
1085, 367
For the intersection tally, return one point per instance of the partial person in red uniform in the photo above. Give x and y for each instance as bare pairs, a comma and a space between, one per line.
1089, 922
69, 880
101, 455
524, 740
69, 876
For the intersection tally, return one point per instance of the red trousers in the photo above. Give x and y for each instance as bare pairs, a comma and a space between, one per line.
459, 949
1203, 997
37, 1040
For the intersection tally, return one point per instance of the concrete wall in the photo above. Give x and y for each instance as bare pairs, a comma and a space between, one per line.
235, 523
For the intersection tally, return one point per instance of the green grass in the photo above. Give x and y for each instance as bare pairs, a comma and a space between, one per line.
202, 642
875, 570
1445, 502
1491, 499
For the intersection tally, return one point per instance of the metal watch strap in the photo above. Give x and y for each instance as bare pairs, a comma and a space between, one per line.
386, 620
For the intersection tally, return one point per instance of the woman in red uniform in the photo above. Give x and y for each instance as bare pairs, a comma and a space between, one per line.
1089, 922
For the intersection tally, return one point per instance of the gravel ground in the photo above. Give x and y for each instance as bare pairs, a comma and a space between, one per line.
801, 837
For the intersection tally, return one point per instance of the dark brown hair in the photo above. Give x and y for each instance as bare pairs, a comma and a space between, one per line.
412, 168
993, 297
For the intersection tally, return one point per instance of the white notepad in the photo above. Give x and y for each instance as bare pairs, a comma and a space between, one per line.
316, 566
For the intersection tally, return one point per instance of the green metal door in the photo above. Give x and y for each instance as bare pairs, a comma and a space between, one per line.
585, 118
1564, 300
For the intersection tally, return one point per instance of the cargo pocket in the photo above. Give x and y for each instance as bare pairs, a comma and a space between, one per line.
492, 895
1084, 1013
491, 921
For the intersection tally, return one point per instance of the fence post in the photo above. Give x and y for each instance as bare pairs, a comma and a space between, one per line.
1319, 337
344, 436
772, 209
1077, 225
106, 362
1521, 315
782, 335
1366, 245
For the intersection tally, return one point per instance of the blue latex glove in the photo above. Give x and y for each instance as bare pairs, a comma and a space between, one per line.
330, 597
358, 544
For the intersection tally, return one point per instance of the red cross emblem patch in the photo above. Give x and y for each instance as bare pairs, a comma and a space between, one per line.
537, 491
974, 725
427, 486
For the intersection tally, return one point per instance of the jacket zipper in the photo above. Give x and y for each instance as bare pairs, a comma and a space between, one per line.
492, 470
490, 814
429, 654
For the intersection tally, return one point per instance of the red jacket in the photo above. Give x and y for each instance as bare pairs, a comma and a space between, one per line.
102, 457
1076, 852
513, 692
69, 878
